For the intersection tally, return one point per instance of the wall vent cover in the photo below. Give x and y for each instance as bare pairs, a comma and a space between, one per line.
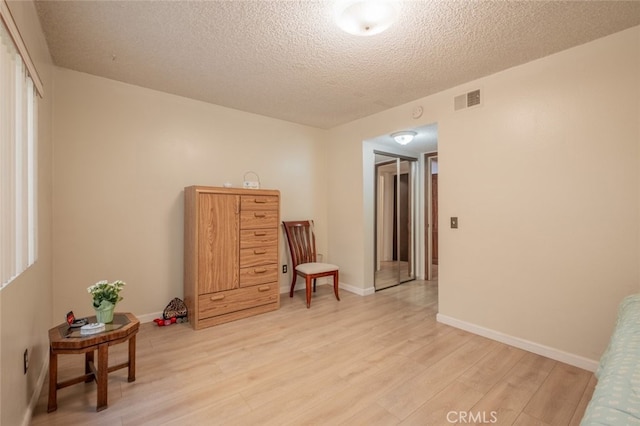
466, 100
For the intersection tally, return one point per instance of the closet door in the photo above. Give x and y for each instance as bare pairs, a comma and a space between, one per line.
395, 239
218, 245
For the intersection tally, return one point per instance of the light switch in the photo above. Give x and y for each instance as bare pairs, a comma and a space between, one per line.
454, 222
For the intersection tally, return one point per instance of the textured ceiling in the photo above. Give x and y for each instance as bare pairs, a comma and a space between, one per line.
288, 60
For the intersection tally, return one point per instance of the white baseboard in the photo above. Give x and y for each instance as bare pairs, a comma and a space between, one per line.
343, 286
149, 317
536, 348
358, 290
26, 421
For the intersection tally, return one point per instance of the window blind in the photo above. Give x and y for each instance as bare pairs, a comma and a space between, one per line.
18, 172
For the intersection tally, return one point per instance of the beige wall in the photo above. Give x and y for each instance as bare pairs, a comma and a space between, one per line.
25, 304
544, 179
123, 155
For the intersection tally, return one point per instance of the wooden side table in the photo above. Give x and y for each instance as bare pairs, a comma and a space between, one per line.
64, 340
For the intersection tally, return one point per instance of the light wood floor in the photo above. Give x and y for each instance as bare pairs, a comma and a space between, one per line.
375, 360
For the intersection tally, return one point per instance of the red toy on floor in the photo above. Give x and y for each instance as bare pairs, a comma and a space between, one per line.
162, 322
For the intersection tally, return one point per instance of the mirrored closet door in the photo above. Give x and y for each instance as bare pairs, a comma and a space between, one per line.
394, 218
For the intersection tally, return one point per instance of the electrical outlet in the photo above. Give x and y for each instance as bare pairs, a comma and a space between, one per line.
284, 269
26, 360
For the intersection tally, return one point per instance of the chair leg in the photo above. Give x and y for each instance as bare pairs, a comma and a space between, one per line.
314, 285
335, 285
293, 283
308, 282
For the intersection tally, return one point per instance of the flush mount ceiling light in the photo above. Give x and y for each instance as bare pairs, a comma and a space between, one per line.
403, 137
365, 17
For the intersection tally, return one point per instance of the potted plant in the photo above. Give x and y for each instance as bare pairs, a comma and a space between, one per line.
105, 296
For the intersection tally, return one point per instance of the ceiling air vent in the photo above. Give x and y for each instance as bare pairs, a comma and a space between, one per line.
466, 100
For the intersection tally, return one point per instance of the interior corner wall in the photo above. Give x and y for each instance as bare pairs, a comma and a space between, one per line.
543, 176
123, 155
25, 304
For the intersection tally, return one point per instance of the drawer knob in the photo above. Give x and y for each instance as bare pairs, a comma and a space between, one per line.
264, 288
259, 215
260, 201
217, 297
259, 233
260, 270
259, 252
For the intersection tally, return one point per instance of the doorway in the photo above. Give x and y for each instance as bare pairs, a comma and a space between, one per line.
395, 220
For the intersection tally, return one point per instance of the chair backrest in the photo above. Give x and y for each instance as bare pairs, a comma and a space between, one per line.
302, 241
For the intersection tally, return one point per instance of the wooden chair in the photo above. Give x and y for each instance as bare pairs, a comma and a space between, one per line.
302, 245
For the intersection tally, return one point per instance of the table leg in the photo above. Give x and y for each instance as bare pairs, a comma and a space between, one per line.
102, 379
53, 381
88, 359
132, 358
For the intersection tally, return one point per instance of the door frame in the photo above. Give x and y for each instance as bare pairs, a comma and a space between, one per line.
429, 159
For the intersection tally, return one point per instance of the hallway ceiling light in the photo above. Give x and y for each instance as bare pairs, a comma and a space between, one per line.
365, 17
403, 137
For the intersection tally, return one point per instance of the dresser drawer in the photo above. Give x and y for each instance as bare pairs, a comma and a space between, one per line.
258, 256
258, 275
259, 202
224, 302
252, 219
258, 237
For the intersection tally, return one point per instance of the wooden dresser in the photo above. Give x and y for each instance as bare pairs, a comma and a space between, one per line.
230, 253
